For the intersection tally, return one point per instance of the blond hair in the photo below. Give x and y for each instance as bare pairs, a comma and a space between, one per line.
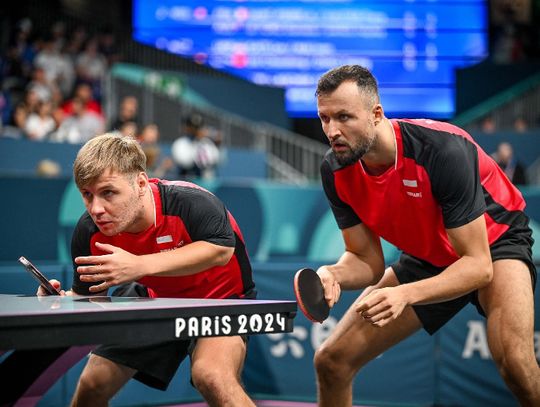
109, 151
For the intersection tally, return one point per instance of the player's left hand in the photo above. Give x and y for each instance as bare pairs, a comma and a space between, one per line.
382, 305
117, 267
332, 289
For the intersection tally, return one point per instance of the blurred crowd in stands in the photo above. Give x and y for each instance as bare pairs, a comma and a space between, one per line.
52, 82
52, 89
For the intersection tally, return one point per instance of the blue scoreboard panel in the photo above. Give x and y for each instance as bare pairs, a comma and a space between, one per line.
412, 46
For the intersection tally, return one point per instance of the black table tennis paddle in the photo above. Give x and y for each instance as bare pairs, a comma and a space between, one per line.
309, 293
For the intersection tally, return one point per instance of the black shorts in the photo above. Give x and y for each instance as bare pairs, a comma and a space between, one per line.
515, 243
156, 364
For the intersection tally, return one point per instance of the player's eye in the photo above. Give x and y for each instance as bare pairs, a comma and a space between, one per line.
343, 117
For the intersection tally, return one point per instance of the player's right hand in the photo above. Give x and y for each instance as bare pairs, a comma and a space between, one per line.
332, 289
56, 284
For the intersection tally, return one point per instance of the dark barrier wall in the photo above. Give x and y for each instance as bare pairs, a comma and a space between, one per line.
21, 157
451, 368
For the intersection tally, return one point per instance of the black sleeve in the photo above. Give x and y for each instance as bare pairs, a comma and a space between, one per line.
520, 175
80, 246
206, 218
344, 214
455, 181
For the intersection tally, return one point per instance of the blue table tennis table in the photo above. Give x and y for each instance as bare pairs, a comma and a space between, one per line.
47, 335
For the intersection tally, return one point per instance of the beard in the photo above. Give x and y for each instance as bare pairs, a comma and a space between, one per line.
352, 154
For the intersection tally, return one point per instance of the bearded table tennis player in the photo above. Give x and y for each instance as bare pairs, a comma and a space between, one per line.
430, 190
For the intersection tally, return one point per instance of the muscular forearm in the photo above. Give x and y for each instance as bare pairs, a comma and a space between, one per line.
190, 259
465, 275
355, 272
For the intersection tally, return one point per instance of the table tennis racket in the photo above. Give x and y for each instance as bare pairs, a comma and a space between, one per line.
43, 281
309, 293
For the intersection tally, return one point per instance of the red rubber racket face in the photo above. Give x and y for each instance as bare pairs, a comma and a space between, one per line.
309, 293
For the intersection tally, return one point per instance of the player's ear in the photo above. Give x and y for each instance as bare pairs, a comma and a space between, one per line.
378, 113
142, 182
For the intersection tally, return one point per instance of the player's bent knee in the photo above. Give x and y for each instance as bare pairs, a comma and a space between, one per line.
90, 381
91, 386
329, 367
204, 382
210, 379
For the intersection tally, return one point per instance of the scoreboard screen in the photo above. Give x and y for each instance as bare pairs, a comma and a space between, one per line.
412, 46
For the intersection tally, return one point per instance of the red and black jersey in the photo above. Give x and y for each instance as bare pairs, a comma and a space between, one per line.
441, 179
185, 213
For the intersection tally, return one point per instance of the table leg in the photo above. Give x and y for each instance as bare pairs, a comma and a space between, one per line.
26, 375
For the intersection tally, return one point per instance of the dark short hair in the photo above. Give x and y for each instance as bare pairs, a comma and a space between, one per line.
363, 78
194, 121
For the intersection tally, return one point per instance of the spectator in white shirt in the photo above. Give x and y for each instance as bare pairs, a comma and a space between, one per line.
40, 86
41, 123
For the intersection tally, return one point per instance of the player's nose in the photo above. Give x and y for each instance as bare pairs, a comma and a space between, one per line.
332, 131
96, 207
